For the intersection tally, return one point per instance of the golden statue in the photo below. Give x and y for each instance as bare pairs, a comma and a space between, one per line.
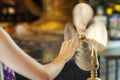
54, 15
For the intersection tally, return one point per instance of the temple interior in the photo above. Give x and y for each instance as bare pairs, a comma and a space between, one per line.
37, 27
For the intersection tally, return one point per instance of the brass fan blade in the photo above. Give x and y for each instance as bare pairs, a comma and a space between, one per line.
97, 34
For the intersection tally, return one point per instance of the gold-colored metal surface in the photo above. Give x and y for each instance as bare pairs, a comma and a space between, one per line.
93, 79
95, 65
82, 37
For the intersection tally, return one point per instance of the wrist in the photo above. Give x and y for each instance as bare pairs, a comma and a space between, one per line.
60, 59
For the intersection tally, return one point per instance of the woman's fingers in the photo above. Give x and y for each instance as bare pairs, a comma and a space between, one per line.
71, 43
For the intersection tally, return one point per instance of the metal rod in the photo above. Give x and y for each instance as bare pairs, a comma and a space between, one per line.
95, 65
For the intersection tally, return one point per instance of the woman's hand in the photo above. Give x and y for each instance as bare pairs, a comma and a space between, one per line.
68, 49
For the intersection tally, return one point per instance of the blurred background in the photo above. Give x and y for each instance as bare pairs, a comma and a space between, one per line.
37, 26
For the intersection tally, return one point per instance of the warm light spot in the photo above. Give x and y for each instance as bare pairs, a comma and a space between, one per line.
109, 11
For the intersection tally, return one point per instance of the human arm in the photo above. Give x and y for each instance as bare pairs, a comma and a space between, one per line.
14, 57
19, 61
66, 53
